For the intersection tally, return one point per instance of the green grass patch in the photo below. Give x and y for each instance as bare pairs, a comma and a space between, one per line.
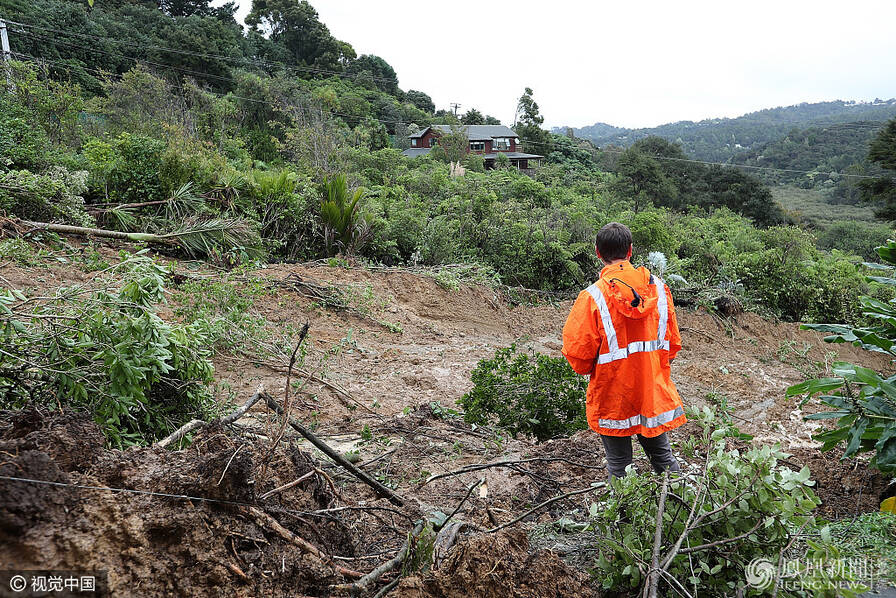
815, 208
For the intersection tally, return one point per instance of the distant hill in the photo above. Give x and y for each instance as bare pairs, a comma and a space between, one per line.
825, 149
720, 139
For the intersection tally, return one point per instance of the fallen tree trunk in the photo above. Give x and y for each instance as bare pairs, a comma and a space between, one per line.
67, 229
195, 236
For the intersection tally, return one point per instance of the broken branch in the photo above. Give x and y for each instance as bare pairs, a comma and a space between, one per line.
198, 423
472, 487
272, 524
287, 486
653, 578
379, 488
506, 463
366, 581
546, 503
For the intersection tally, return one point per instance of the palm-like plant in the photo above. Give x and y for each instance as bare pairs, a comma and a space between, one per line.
346, 228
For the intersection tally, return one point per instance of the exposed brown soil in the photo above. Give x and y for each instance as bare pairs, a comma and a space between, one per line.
499, 565
152, 545
399, 384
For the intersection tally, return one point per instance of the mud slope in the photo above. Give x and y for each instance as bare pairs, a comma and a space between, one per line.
745, 362
382, 368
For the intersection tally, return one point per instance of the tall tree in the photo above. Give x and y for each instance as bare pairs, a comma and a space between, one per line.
473, 117
528, 123
742, 193
185, 8
641, 178
882, 190
421, 100
294, 24
377, 71
686, 176
527, 110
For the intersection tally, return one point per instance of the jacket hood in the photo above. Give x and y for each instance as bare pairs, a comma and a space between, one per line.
618, 278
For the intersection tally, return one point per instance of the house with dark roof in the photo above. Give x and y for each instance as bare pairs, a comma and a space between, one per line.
485, 140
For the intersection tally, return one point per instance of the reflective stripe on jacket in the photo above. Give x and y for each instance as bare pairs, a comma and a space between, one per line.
626, 350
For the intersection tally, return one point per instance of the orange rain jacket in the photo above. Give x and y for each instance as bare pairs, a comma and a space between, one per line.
626, 350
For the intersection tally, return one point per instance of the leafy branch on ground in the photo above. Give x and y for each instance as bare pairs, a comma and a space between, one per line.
109, 353
697, 531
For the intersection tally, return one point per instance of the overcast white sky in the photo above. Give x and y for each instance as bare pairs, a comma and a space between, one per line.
632, 63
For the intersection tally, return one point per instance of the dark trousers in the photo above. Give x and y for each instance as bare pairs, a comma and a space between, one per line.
619, 453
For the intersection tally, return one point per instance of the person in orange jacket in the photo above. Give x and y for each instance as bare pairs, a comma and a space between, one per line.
623, 333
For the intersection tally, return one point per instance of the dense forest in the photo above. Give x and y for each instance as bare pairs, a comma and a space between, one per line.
824, 152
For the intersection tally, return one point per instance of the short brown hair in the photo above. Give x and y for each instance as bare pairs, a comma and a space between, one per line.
613, 241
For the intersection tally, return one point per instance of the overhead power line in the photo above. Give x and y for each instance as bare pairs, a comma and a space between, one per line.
253, 61
133, 58
280, 64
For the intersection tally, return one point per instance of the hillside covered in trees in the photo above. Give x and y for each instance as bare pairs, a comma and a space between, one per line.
199, 120
721, 139
194, 216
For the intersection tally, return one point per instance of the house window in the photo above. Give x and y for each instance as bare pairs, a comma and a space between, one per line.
477, 146
501, 143
433, 142
413, 143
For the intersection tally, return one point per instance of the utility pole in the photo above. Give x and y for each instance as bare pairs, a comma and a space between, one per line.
4, 46
455, 106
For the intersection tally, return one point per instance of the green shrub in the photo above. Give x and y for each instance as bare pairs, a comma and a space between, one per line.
286, 207
54, 196
708, 244
107, 352
474, 163
189, 162
863, 401
651, 232
136, 169
526, 393
22, 145
855, 237
794, 280
346, 226
38, 119
127, 169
